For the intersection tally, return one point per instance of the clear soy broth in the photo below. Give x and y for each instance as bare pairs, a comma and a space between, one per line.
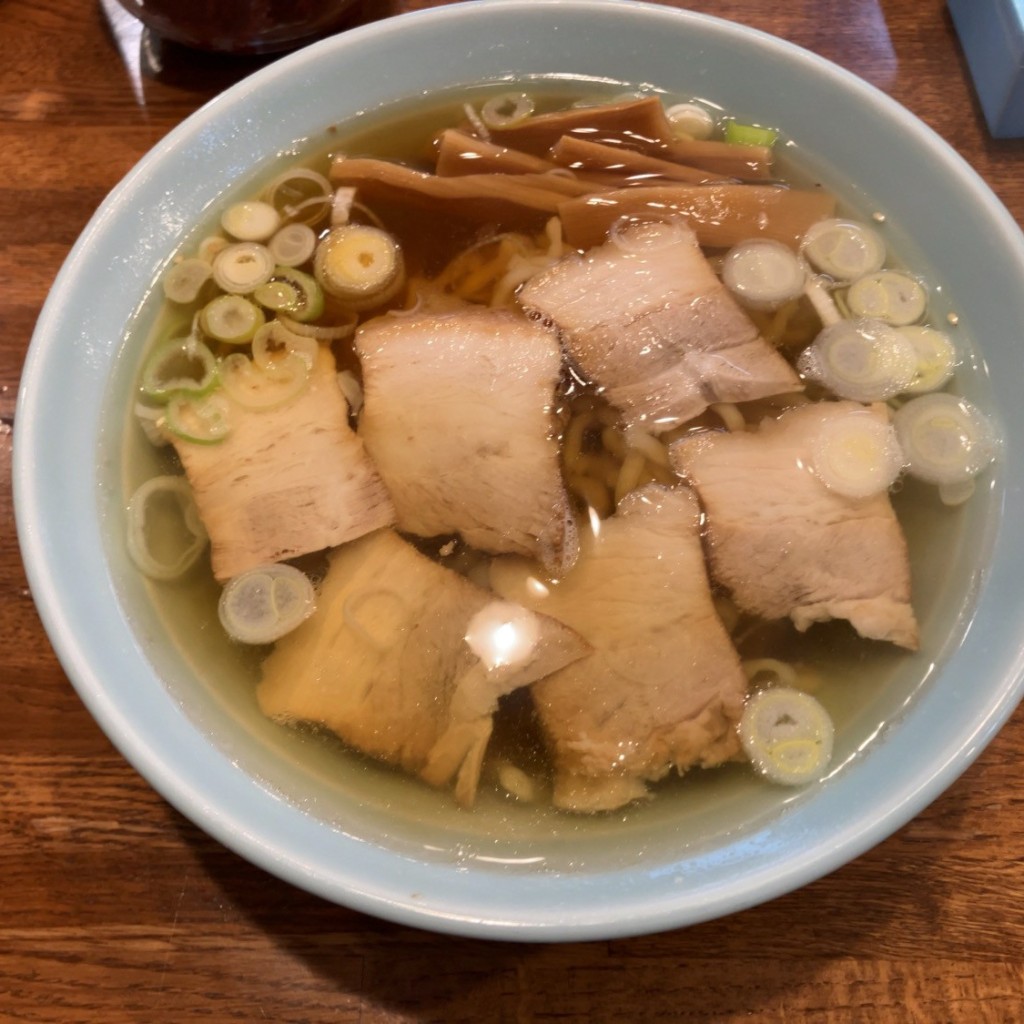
865, 685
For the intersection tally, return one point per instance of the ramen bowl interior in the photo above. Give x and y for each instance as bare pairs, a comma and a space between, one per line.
152, 668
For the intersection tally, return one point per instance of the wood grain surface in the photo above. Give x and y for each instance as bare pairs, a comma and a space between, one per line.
113, 908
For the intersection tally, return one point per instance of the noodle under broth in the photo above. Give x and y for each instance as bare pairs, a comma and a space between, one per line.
864, 684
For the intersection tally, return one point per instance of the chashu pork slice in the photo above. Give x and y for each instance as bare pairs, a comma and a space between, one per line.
286, 481
458, 417
662, 687
405, 660
645, 318
785, 544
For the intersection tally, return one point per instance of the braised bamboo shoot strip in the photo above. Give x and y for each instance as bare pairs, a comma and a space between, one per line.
460, 153
721, 215
641, 121
729, 159
583, 155
480, 195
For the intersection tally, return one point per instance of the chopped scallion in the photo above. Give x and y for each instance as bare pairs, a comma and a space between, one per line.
691, 120
506, 110
179, 364
843, 249
300, 194
947, 440
360, 265
787, 734
749, 134
936, 358
763, 273
263, 604
292, 292
259, 387
274, 341
204, 419
863, 360
184, 281
250, 221
165, 534
857, 455
888, 295
232, 319
242, 267
293, 245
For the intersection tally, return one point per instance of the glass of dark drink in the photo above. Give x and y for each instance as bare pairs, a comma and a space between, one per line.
243, 26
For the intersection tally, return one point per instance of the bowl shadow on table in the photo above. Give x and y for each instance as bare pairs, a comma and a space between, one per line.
786, 945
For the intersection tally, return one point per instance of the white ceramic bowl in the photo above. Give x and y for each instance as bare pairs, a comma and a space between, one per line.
360, 836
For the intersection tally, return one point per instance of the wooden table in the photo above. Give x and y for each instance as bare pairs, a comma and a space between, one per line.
113, 908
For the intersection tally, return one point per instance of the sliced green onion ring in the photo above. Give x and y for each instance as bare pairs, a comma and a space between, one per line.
787, 734
936, 358
888, 295
342, 205
817, 293
321, 332
293, 245
273, 341
232, 319
209, 247
359, 264
184, 281
242, 267
250, 221
691, 120
947, 440
857, 454
164, 542
749, 134
506, 110
956, 494
263, 604
763, 273
352, 390
293, 292
179, 364
258, 388
863, 360
149, 417
204, 419
300, 194
843, 249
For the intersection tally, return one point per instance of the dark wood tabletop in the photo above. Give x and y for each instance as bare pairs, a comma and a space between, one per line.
114, 908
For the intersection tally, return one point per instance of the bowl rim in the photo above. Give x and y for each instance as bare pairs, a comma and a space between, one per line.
168, 749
